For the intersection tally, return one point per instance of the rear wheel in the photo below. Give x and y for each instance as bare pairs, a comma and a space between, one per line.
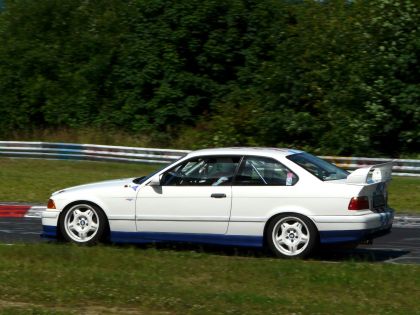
291, 236
83, 223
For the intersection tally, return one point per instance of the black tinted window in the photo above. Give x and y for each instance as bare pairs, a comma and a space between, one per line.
318, 167
202, 171
260, 171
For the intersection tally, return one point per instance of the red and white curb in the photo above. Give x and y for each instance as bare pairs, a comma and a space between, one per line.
20, 211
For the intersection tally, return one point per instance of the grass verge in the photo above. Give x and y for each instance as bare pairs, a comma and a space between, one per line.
404, 194
66, 279
34, 180
29, 180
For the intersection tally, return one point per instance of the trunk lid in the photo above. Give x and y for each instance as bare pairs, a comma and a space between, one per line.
374, 180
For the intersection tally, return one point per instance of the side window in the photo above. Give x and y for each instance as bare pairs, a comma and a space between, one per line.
260, 171
202, 171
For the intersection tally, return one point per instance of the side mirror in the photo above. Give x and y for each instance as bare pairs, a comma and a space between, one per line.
154, 181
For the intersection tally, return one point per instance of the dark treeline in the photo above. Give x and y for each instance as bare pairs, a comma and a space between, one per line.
333, 77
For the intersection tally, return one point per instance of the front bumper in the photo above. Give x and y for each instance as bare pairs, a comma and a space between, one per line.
50, 223
49, 231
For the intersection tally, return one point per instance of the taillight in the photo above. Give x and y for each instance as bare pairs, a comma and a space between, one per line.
51, 204
359, 203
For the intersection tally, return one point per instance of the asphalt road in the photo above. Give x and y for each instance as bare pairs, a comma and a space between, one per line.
401, 246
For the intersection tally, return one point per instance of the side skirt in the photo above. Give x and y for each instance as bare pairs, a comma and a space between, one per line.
149, 237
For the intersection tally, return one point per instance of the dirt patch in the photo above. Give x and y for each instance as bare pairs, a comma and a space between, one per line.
85, 310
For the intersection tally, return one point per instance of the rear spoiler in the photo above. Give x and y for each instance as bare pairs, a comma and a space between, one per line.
378, 172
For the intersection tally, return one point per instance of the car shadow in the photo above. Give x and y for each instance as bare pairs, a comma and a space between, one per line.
325, 253
359, 254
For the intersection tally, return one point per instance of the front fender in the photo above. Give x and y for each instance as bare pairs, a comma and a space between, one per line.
61, 204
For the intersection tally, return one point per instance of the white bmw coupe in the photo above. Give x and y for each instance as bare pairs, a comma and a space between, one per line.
289, 200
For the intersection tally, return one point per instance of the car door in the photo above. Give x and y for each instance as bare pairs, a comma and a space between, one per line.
193, 197
261, 186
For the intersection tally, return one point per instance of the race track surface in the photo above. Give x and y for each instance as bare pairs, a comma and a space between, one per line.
20, 230
401, 246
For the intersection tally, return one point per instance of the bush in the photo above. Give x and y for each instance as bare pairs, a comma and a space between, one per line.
335, 77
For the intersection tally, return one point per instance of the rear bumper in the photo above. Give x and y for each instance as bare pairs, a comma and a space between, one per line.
351, 236
354, 228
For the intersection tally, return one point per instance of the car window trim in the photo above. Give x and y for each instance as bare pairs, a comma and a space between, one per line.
204, 157
306, 170
244, 157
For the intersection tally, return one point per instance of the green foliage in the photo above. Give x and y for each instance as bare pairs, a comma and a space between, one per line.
335, 77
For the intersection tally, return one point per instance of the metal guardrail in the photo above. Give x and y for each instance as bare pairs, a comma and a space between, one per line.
93, 152
400, 167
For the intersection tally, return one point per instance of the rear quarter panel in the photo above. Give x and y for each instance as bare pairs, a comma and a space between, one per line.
253, 206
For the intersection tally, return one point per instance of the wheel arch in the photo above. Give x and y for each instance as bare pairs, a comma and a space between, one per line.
275, 215
81, 201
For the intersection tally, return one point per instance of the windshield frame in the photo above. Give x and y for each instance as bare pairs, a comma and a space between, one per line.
324, 169
140, 180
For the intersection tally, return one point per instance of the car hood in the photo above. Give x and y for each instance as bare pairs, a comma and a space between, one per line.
98, 185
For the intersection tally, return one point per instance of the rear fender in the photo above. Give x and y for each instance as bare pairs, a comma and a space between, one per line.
291, 210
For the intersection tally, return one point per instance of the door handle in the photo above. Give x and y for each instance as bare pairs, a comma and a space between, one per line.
218, 195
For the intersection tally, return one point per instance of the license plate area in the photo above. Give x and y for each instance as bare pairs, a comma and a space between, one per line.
378, 201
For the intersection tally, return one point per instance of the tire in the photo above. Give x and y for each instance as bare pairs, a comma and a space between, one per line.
291, 235
83, 223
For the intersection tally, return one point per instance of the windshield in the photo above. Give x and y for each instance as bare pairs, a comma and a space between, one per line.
141, 180
322, 169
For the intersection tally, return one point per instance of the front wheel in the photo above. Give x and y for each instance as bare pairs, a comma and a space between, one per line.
291, 236
83, 223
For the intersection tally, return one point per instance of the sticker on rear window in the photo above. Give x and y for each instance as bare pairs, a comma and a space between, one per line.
289, 179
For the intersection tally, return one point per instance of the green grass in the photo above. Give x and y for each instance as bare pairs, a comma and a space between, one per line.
29, 180
48, 278
34, 180
404, 194
64, 279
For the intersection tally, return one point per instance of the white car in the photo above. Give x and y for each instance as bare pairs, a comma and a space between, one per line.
289, 200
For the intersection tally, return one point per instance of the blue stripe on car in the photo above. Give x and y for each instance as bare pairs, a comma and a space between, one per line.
326, 237
147, 237
49, 231
349, 236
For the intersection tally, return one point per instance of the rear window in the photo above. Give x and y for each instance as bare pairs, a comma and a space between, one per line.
318, 167
260, 171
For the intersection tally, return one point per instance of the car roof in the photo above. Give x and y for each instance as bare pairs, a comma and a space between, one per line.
264, 151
